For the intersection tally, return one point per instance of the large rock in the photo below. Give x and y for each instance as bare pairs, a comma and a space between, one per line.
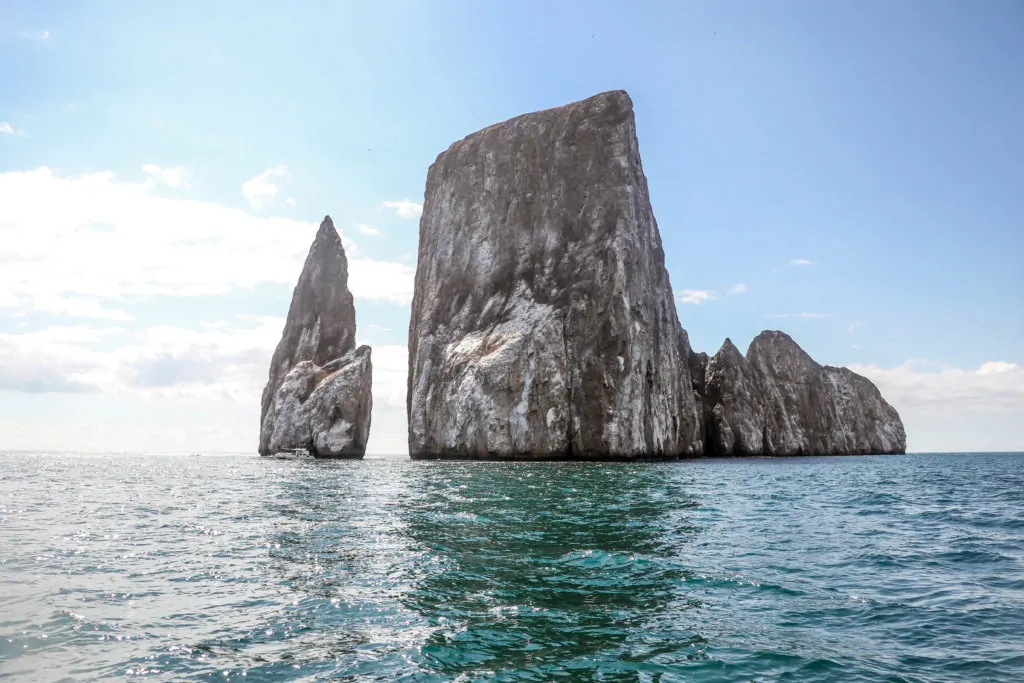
543, 321
778, 401
318, 395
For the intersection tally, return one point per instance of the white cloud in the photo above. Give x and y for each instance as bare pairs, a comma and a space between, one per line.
73, 307
214, 362
802, 262
6, 129
57, 359
994, 386
66, 241
217, 368
694, 296
93, 247
175, 177
700, 296
404, 208
262, 189
994, 367
218, 362
35, 35
799, 315
172, 177
853, 326
367, 229
290, 201
952, 409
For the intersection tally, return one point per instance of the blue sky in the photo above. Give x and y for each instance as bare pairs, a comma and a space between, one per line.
856, 166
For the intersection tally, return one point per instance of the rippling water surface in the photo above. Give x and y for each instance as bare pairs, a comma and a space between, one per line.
899, 568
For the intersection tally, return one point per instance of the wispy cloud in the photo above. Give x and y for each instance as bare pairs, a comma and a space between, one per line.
405, 208
81, 238
853, 326
694, 296
262, 189
7, 129
934, 402
995, 385
700, 296
172, 177
799, 315
220, 365
35, 35
802, 262
367, 229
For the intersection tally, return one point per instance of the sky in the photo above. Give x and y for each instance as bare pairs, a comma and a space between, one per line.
851, 173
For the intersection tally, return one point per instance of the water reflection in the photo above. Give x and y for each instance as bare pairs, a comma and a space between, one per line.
448, 569
247, 569
544, 568
338, 554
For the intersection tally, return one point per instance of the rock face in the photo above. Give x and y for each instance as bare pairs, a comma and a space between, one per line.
543, 321
735, 404
778, 401
318, 394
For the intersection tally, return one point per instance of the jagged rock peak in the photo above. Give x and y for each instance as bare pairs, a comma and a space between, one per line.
774, 345
733, 404
779, 401
319, 331
543, 321
728, 348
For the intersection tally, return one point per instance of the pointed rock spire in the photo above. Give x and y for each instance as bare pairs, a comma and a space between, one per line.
317, 359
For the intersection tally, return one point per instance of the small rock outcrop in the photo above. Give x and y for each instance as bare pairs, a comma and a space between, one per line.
778, 401
543, 321
318, 395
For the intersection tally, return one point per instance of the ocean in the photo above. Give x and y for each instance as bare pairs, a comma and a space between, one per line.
888, 568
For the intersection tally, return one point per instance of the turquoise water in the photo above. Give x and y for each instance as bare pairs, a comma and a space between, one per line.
896, 568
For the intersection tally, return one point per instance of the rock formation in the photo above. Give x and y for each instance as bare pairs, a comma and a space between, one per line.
543, 321
778, 401
734, 418
318, 394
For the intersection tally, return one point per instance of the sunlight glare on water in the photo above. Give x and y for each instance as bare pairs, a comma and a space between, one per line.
903, 568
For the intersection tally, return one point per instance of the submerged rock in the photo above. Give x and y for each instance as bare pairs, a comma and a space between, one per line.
543, 321
779, 401
318, 395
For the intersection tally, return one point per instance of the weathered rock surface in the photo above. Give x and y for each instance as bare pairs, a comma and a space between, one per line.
543, 321
324, 409
318, 395
778, 401
735, 404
